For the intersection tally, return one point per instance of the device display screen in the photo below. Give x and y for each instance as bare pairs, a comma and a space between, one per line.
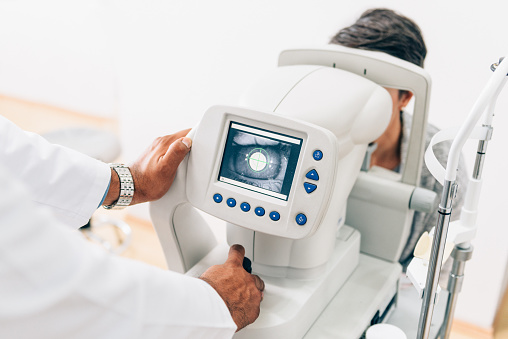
260, 160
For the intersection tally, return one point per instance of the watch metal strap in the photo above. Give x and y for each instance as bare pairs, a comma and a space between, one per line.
126, 187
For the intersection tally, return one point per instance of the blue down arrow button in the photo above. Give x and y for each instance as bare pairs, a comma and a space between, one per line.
309, 187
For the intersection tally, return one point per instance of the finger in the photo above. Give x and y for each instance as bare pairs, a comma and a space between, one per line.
167, 140
260, 284
180, 134
185, 131
236, 254
176, 152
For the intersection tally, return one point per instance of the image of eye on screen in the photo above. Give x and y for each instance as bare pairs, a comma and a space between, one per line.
260, 160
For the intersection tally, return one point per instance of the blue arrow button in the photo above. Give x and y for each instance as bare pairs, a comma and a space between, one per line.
309, 187
312, 175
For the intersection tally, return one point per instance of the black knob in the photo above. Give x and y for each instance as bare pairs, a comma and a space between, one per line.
247, 265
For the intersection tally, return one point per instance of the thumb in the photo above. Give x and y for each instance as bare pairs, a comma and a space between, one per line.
177, 151
235, 256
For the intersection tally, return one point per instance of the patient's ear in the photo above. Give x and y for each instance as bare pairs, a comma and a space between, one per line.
404, 99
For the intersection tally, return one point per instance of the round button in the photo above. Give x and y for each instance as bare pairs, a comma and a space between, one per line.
260, 211
231, 202
217, 198
301, 219
245, 206
317, 155
274, 215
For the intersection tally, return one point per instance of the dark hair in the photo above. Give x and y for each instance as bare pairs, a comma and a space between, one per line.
386, 31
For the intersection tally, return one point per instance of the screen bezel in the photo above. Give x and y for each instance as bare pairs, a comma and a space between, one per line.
291, 168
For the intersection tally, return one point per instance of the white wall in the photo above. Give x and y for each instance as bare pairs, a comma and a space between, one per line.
173, 59
56, 53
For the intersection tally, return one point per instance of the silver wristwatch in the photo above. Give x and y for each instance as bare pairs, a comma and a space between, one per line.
126, 187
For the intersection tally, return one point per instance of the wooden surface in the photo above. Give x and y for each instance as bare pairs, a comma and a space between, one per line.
42, 118
145, 246
462, 330
501, 322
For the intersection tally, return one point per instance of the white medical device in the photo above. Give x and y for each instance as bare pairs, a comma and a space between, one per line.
269, 173
279, 170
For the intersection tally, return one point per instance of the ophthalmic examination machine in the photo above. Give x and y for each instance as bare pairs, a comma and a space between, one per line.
283, 171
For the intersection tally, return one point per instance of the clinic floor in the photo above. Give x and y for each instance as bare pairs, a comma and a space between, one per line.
145, 247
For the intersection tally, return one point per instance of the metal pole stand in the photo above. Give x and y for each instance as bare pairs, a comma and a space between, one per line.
436, 259
460, 256
463, 251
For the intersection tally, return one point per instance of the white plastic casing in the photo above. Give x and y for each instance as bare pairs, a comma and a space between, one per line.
205, 163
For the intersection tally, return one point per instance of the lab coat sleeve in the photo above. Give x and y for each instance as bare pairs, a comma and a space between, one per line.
70, 183
54, 284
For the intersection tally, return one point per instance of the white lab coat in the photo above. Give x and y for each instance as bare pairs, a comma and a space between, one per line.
54, 284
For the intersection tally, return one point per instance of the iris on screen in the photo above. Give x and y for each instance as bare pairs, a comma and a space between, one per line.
257, 161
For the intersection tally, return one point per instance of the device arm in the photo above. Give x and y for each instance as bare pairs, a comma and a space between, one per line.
162, 212
486, 97
184, 235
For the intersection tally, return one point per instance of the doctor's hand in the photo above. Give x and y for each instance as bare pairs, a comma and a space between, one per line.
241, 291
154, 171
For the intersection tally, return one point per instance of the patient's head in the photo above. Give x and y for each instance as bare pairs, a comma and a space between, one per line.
384, 30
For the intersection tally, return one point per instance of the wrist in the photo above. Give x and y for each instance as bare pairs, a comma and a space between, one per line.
137, 180
121, 189
114, 189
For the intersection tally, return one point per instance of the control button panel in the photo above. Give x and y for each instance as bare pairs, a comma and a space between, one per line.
301, 219
231, 178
